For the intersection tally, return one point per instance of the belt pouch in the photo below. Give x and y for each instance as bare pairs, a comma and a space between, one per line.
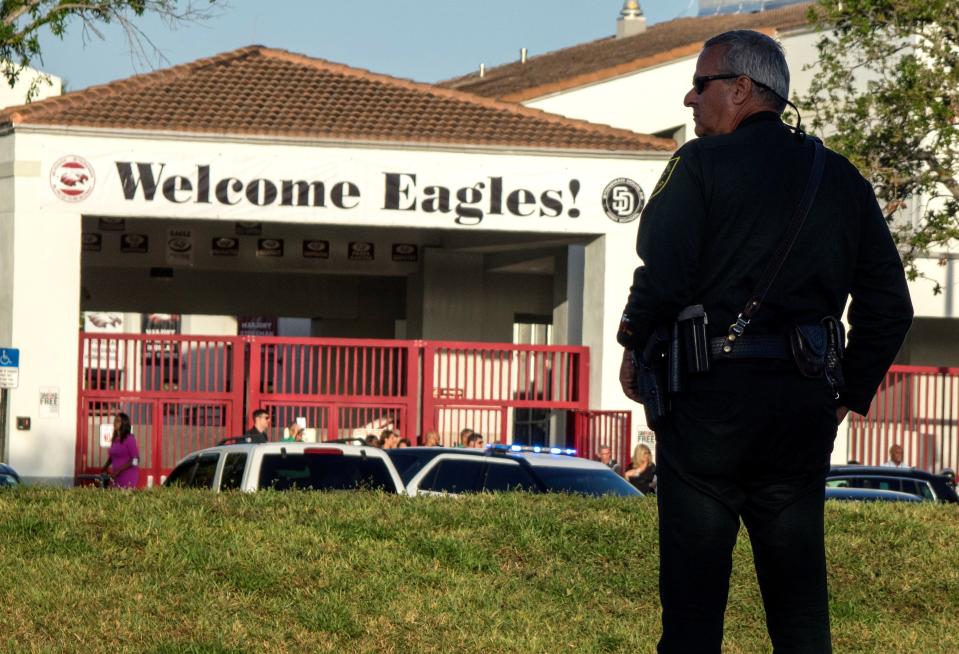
692, 323
677, 367
807, 343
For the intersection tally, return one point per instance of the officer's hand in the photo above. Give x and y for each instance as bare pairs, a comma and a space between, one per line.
841, 414
628, 377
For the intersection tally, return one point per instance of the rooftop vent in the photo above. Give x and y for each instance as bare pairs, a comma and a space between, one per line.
631, 20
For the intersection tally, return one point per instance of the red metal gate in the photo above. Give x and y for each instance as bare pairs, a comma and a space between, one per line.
187, 392
341, 388
182, 393
594, 429
916, 407
483, 385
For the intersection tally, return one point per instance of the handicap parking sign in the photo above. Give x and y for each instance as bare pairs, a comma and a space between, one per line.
9, 367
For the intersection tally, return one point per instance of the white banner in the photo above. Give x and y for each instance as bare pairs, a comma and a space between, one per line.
513, 192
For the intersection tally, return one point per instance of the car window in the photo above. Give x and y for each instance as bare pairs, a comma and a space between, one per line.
837, 483
456, 476
408, 461
925, 490
324, 472
205, 470
909, 486
8, 480
182, 474
585, 481
508, 476
233, 471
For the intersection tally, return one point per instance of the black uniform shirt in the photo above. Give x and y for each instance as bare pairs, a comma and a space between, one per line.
719, 212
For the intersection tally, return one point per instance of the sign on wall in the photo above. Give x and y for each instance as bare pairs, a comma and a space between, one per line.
49, 402
9, 367
250, 185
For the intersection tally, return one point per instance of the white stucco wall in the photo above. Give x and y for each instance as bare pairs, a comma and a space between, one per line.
651, 100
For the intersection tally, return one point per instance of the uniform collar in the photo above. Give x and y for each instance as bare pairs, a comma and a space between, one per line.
760, 117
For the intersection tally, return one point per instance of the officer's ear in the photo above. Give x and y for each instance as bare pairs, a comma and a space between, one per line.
742, 90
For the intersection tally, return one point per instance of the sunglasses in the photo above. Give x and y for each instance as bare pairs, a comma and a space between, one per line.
699, 83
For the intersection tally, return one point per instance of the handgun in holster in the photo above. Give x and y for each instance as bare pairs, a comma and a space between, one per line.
651, 365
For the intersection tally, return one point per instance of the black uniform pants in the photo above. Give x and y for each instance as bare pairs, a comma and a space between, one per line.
751, 441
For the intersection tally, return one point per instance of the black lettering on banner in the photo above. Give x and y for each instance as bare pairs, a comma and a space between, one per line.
176, 183
496, 196
131, 183
203, 185
399, 187
466, 212
302, 193
552, 202
253, 192
342, 193
437, 198
223, 188
517, 201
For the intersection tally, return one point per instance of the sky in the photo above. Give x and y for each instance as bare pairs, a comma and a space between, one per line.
425, 40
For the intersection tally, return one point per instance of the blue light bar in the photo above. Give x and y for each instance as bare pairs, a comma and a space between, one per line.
536, 449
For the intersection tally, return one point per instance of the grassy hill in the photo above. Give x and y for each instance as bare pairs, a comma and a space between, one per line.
184, 571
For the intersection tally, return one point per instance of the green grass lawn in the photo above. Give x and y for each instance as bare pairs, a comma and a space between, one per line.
185, 571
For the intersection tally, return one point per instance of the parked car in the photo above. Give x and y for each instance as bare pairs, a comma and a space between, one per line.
453, 471
869, 495
8, 476
287, 466
904, 480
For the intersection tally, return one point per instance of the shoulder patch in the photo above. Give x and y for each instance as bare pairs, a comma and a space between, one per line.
665, 177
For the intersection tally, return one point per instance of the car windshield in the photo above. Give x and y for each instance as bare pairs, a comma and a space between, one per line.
324, 472
587, 482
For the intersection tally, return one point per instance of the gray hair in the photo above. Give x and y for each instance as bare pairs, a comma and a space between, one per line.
758, 57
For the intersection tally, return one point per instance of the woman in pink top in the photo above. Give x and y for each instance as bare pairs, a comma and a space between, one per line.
123, 464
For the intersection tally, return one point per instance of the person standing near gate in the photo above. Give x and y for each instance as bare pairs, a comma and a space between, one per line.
123, 464
754, 214
258, 432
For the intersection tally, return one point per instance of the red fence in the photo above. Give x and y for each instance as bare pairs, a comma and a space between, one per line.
482, 386
184, 393
916, 407
595, 429
342, 388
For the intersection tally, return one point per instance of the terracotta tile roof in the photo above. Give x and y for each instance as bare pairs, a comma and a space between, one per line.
261, 91
606, 58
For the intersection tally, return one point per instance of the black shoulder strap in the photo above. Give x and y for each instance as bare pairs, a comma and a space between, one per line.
785, 246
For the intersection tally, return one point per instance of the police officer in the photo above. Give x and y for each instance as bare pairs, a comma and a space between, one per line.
751, 438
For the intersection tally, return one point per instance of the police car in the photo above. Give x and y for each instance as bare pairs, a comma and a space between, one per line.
287, 466
454, 471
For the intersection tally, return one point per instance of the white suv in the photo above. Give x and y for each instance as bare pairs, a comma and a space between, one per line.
287, 466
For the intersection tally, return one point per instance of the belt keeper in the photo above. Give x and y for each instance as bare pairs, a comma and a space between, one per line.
735, 330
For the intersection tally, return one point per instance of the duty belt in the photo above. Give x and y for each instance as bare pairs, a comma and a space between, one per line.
758, 346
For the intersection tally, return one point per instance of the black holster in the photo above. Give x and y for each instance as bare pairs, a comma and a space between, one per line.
818, 350
651, 365
688, 346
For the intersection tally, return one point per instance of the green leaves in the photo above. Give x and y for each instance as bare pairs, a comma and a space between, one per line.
886, 95
21, 22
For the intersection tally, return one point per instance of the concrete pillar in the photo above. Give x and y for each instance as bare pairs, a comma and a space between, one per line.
44, 314
451, 300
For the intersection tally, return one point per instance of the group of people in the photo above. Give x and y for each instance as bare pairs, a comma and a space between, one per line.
641, 471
